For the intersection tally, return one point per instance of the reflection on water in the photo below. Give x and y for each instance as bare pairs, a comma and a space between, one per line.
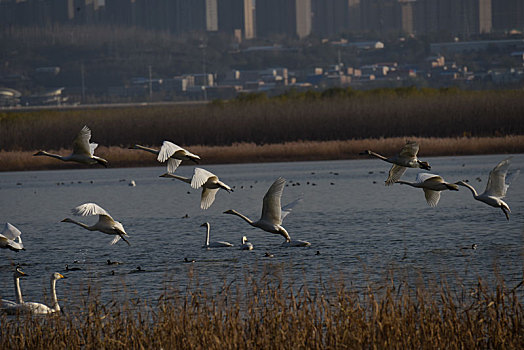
362, 230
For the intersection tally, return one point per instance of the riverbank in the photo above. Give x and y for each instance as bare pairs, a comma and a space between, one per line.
282, 152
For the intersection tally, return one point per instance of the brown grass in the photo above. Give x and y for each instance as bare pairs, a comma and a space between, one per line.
268, 315
362, 115
290, 151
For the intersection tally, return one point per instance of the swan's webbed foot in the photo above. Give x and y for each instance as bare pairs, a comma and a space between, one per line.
125, 240
506, 212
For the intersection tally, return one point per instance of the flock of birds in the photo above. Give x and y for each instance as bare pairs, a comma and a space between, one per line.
272, 211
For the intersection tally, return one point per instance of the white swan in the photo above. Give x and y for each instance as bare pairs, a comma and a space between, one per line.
173, 154
245, 244
272, 214
496, 188
105, 224
217, 244
11, 307
431, 185
39, 308
407, 158
83, 151
10, 238
208, 181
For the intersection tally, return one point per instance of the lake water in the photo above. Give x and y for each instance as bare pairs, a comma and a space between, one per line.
364, 231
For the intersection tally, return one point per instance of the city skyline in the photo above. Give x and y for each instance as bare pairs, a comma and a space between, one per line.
247, 19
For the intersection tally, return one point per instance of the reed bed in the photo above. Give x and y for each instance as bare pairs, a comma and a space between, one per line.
374, 115
267, 314
285, 152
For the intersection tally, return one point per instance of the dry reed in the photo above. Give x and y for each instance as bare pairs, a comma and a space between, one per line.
269, 315
290, 151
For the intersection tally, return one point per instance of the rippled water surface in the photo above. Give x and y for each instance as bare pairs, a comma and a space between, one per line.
363, 230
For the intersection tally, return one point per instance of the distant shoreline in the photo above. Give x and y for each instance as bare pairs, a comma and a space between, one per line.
121, 157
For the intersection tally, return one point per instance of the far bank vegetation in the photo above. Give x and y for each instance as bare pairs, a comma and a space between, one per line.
334, 124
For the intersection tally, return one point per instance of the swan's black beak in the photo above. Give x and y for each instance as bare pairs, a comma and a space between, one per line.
363, 153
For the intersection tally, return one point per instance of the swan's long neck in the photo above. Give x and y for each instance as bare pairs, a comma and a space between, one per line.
181, 178
379, 156
208, 228
81, 224
54, 305
471, 188
246, 219
147, 149
52, 155
406, 183
19, 298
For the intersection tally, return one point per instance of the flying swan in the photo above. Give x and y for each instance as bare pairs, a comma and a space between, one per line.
272, 214
83, 151
217, 244
10, 238
105, 224
496, 188
10, 307
173, 154
432, 185
407, 158
208, 181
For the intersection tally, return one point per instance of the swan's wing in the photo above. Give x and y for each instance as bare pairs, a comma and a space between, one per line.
432, 197
167, 150
395, 173
286, 209
4, 241
11, 244
200, 177
409, 150
497, 186
271, 207
422, 177
172, 164
208, 197
92, 147
116, 239
10, 231
36, 308
89, 209
81, 142
7, 304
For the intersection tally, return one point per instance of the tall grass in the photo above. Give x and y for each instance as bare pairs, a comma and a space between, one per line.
375, 114
269, 315
289, 151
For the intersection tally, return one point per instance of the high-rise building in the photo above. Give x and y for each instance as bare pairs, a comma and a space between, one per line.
381, 16
236, 15
458, 17
289, 17
508, 15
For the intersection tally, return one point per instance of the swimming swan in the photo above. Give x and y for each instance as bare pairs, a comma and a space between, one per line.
208, 181
11, 307
83, 151
105, 224
217, 244
431, 185
272, 214
496, 188
173, 154
10, 238
407, 158
245, 244
39, 308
